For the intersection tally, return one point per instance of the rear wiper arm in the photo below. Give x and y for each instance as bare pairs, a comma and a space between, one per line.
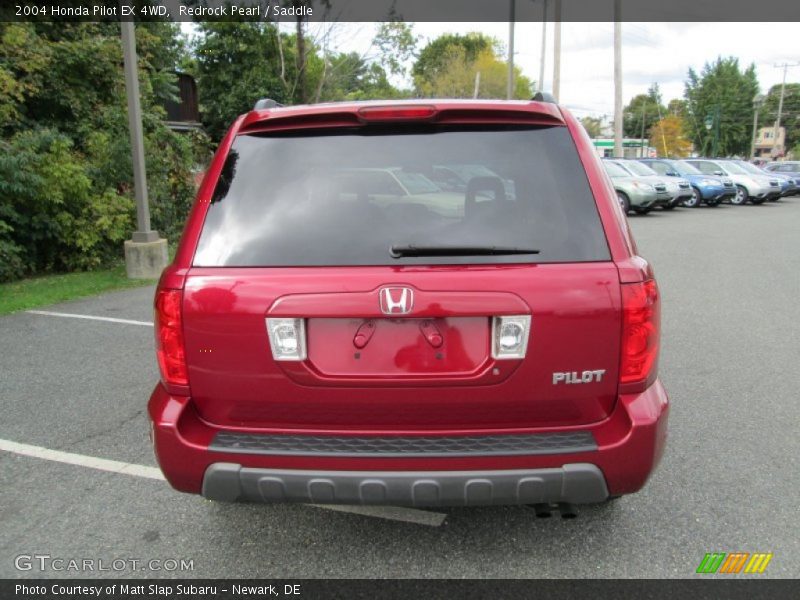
399, 250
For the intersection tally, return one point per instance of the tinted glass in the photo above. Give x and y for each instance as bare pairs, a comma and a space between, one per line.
638, 168
660, 167
344, 197
614, 170
731, 167
684, 168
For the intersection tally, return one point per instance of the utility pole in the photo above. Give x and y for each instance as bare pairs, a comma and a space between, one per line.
145, 252
510, 82
641, 140
758, 101
557, 50
785, 66
618, 79
544, 46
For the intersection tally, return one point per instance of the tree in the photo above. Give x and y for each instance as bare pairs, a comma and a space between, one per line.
644, 107
669, 138
65, 162
437, 56
790, 115
720, 107
456, 71
397, 45
593, 126
236, 64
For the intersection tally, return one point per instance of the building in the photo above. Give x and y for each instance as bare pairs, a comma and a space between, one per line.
765, 142
631, 148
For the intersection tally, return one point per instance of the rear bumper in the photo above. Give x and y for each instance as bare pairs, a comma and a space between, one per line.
577, 465
574, 483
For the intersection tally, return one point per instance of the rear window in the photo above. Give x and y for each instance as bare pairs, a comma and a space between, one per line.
346, 196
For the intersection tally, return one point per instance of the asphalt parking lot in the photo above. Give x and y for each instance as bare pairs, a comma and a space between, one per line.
730, 279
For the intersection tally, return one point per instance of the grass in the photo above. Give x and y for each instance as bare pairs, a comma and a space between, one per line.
51, 289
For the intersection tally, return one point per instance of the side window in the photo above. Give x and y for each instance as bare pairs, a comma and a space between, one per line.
659, 167
706, 168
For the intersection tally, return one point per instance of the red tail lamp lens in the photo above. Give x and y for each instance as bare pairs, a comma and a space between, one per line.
641, 331
396, 113
169, 337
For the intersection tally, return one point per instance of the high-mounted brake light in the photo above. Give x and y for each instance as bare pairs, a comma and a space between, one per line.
397, 113
641, 331
170, 348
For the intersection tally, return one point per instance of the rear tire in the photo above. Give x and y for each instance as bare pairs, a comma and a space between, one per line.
695, 200
741, 196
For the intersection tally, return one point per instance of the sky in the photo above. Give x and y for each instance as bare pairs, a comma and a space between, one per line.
651, 53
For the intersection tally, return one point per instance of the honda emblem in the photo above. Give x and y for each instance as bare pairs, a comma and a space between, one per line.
396, 301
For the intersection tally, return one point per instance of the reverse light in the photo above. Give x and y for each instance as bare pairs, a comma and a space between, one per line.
397, 113
641, 331
170, 349
287, 338
510, 336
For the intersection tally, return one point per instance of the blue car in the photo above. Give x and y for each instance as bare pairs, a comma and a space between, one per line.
708, 189
788, 169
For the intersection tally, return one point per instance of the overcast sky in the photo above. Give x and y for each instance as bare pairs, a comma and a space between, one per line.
651, 52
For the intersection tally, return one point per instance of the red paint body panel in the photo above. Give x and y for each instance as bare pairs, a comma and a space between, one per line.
398, 386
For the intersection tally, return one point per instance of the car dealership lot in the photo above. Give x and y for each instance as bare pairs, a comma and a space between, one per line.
727, 483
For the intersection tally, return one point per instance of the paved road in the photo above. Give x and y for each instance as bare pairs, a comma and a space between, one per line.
730, 279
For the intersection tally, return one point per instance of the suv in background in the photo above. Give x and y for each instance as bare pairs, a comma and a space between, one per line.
324, 335
634, 193
679, 189
790, 168
749, 186
708, 189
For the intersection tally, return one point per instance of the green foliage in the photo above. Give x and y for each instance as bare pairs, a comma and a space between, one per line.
644, 107
722, 93
448, 67
593, 126
397, 45
237, 63
65, 164
790, 115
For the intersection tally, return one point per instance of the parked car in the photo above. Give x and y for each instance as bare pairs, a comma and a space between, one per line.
317, 346
789, 186
786, 168
706, 189
679, 189
633, 193
749, 186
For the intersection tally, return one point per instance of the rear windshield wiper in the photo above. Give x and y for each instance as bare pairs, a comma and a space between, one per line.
399, 250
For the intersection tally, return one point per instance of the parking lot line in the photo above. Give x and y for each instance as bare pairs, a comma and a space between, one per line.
89, 317
393, 513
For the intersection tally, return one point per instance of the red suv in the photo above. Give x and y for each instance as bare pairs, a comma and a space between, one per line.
342, 323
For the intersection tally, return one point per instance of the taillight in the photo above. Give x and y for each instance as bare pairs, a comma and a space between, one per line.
287, 338
397, 113
510, 336
641, 329
169, 337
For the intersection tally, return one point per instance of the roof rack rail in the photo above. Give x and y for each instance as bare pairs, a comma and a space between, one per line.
266, 103
544, 97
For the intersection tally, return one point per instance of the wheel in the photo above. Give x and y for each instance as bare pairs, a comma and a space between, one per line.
758, 200
624, 202
713, 203
642, 211
695, 200
741, 195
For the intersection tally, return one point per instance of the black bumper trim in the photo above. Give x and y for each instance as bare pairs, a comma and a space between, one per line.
404, 446
577, 483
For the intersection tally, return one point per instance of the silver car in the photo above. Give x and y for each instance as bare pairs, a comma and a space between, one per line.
754, 187
679, 188
647, 175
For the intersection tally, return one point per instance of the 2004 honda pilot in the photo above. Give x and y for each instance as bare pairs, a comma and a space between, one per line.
338, 328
